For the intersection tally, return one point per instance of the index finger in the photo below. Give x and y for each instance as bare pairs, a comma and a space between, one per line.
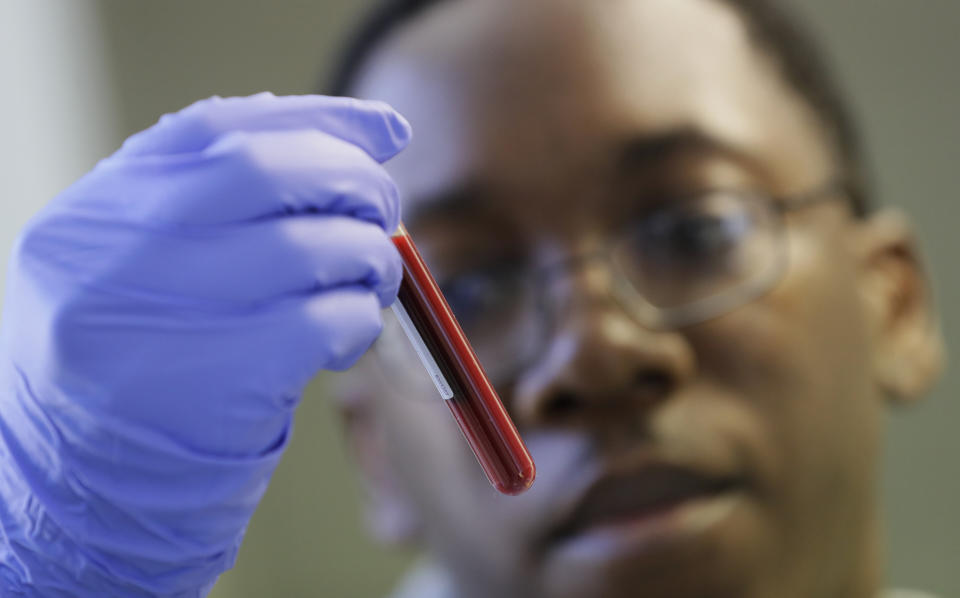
371, 125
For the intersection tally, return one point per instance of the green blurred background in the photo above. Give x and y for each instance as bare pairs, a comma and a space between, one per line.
78, 76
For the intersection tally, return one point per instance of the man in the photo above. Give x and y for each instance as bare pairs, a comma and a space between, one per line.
651, 220
714, 428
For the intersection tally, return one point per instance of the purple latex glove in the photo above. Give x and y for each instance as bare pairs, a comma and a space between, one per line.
162, 317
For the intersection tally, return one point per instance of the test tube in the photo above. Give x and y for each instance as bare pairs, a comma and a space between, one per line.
457, 374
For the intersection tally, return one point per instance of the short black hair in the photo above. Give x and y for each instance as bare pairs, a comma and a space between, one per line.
771, 26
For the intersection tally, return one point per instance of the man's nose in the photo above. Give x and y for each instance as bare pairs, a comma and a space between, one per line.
600, 363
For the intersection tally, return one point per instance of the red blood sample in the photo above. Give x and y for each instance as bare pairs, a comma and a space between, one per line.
458, 375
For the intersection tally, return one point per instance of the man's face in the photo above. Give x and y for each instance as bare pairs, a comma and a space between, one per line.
732, 457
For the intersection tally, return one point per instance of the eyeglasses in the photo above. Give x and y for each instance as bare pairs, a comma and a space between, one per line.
685, 262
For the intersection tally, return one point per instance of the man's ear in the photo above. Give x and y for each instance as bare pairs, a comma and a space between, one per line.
390, 514
908, 354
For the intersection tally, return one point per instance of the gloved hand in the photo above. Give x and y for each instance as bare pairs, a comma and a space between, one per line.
162, 317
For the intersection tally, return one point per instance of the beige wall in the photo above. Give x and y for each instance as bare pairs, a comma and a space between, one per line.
56, 114
898, 58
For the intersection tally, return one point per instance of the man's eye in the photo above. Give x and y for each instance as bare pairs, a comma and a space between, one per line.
475, 296
694, 236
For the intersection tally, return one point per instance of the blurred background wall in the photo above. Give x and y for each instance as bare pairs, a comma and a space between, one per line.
56, 103
78, 76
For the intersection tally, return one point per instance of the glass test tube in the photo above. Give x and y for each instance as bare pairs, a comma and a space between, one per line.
452, 365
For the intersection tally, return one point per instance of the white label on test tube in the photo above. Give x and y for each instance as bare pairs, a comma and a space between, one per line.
429, 363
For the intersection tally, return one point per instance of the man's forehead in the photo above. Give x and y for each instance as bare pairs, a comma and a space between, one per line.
525, 90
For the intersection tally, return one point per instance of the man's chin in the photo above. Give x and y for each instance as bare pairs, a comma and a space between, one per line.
695, 548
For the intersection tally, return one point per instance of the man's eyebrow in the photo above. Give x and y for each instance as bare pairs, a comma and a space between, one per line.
649, 150
463, 198
643, 151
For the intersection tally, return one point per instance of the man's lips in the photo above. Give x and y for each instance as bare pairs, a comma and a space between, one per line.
652, 490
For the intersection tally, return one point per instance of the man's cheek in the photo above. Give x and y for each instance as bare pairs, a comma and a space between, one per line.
795, 339
797, 357
757, 351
